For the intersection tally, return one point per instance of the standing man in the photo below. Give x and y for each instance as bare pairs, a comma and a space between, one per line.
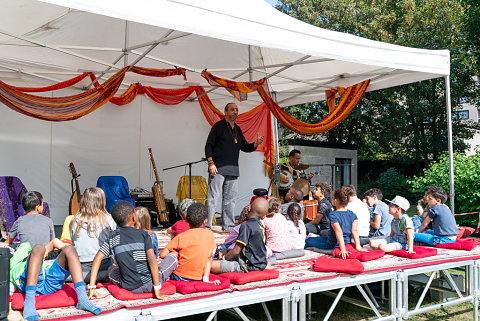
221, 150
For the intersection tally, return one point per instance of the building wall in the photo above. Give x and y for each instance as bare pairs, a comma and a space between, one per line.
471, 112
322, 161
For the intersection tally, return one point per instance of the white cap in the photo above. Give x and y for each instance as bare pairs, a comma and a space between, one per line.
400, 201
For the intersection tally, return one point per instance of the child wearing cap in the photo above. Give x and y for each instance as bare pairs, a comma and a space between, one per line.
401, 236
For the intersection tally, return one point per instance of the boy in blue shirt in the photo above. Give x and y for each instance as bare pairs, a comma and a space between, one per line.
401, 236
381, 221
443, 221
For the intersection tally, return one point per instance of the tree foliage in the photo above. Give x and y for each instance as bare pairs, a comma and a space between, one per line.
406, 121
467, 182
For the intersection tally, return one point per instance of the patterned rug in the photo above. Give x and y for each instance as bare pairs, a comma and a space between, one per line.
291, 270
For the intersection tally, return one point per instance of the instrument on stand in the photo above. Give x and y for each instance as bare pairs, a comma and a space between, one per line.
74, 203
158, 193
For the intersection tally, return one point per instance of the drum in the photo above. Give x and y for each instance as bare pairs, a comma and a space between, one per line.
303, 185
310, 209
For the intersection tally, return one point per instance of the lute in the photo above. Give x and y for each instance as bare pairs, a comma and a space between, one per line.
74, 204
158, 193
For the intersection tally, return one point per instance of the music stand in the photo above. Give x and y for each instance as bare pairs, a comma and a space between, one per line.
189, 172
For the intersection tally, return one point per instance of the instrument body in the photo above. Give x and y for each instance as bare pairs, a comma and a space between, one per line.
310, 209
158, 193
74, 203
288, 179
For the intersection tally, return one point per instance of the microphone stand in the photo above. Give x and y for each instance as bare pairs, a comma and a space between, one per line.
189, 171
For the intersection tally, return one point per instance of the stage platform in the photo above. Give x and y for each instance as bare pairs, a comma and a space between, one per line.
296, 283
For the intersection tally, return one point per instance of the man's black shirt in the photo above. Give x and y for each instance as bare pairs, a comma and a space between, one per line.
222, 148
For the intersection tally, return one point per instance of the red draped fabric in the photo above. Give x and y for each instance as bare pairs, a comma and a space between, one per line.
61, 108
255, 122
60, 85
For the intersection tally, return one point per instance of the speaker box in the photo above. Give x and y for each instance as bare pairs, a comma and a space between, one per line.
4, 282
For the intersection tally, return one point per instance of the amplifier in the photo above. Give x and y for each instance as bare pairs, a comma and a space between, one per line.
4, 282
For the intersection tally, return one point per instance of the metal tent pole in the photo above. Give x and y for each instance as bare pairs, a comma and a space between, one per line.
450, 142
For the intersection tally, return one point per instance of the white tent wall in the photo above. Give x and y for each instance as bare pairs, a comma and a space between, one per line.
113, 141
55, 40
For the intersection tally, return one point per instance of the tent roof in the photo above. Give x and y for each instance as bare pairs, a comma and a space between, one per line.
244, 40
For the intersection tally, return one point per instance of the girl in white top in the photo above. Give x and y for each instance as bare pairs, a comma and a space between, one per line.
296, 226
90, 227
361, 210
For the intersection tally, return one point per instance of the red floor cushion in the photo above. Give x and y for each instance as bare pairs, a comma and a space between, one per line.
420, 252
370, 255
186, 287
361, 256
466, 245
122, 294
64, 297
252, 276
464, 231
330, 264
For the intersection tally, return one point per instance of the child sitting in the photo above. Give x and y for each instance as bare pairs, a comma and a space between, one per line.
296, 227
443, 221
381, 222
194, 248
294, 195
231, 239
276, 228
38, 279
181, 225
138, 270
321, 221
249, 253
90, 227
361, 210
34, 227
144, 223
344, 227
422, 212
401, 236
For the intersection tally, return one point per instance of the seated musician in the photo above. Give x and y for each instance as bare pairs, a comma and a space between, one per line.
295, 169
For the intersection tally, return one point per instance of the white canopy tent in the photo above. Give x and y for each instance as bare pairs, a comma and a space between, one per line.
50, 41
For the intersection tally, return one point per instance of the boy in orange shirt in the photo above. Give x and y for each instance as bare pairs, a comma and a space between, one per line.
194, 248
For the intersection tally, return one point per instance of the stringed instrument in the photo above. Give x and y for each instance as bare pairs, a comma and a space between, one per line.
74, 204
158, 193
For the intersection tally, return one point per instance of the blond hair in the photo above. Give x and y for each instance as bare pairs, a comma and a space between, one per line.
143, 218
92, 211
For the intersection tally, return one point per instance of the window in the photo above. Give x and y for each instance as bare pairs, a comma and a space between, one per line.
461, 115
343, 172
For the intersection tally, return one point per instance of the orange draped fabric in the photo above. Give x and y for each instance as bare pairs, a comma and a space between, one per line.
254, 122
349, 98
61, 108
152, 72
239, 90
159, 95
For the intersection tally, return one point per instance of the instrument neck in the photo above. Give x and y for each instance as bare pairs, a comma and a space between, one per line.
153, 165
77, 186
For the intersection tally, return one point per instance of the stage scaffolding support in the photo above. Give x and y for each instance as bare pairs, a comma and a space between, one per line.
450, 142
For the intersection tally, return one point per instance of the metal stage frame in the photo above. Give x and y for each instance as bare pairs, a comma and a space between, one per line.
296, 296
